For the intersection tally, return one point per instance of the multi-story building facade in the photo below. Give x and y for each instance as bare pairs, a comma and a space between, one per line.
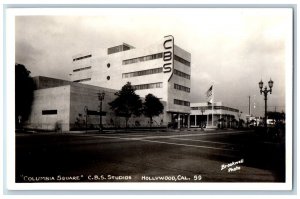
162, 69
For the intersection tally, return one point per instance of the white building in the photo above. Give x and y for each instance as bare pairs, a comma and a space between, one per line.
222, 116
162, 69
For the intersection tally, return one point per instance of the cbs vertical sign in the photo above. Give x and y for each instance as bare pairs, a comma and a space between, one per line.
168, 55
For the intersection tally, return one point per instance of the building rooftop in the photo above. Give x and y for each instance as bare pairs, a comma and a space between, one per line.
42, 82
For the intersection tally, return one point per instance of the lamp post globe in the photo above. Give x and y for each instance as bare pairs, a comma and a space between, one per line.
261, 85
270, 83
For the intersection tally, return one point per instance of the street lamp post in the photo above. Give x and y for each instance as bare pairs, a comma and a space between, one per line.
265, 92
100, 97
202, 110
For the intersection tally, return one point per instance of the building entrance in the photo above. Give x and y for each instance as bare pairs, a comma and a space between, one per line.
180, 120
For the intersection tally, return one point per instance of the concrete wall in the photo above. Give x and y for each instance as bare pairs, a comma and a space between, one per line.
70, 102
56, 98
86, 95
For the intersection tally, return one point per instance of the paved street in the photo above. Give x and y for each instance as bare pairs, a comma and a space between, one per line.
144, 156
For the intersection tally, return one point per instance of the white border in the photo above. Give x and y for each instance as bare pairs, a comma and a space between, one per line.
11, 185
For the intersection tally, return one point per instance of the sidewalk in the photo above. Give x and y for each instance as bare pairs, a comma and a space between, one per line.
111, 131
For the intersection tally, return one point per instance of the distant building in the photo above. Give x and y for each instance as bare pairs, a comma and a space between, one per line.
223, 116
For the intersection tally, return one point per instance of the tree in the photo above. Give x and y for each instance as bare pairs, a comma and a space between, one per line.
152, 107
24, 87
127, 103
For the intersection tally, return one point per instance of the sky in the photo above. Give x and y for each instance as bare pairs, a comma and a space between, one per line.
233, 49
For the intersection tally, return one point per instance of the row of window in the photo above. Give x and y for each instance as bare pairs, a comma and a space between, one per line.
215, 108
154, 71
181, 60
203, 108
142, 59
83, 80
80, 69
181, 102
142, 72
181, 74
84, 57
148, 86
182, 88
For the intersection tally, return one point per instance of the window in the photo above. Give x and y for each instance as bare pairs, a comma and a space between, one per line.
114, 49
142, 72
181, 74
181, 102
83, 57
108, 77
80, 69
119, 48
148, 86
108, 65
142, 59
82, 80
181, 60
215, 108
49, 112
182, 88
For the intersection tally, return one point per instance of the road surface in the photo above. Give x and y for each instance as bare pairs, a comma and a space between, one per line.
149, 156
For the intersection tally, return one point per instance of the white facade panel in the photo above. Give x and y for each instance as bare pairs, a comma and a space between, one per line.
46, 102
182, 53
